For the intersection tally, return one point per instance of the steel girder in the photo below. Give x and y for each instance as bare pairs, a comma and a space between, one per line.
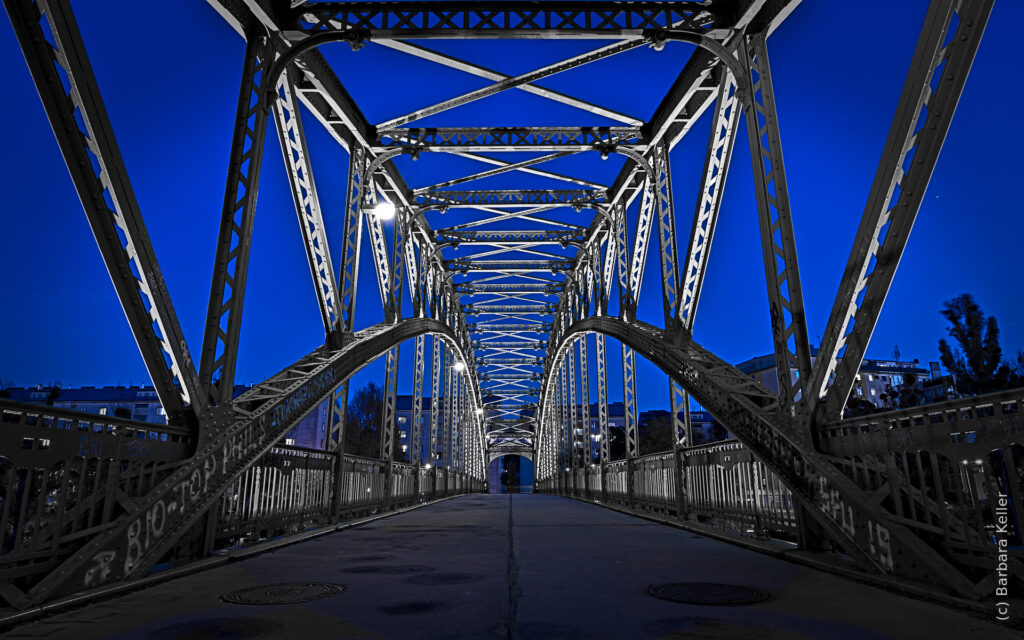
878, 540
533, 237
307, 204
231, 264
435, 399
540, 327
602, 399
508, 309
56, 57
460, 19
512, 198
709, 200
785, 297
510, 138
509, 266
472, 288
585, 401
525, 344
930, 95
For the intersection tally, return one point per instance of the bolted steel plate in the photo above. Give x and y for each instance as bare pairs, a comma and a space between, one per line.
708, 593
284, 593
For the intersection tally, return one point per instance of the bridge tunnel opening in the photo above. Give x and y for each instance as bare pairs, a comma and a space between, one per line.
510, 474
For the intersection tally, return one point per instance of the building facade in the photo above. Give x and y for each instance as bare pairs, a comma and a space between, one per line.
874, 382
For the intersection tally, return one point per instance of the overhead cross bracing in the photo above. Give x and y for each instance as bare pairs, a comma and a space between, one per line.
541, 225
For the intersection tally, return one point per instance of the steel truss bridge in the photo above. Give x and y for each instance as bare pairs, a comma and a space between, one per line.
898, 493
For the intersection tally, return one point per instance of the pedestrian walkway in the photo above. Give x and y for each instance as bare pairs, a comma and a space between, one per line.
512, 567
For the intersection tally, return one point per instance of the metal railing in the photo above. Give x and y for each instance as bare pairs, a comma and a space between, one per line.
952, 471
67, 475
721, 485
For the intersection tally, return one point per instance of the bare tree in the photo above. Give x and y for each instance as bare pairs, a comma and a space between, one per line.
362, 421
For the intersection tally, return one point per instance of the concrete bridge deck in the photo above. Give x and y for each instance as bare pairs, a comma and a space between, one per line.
521, 566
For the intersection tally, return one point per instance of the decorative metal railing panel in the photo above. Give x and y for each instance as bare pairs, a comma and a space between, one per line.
289, 488
63, 473
727, 486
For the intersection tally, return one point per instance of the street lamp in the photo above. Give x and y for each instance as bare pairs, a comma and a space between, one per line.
384, 210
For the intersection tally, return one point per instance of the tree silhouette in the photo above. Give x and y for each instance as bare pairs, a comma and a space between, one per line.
655, 434
975, 360
362, 421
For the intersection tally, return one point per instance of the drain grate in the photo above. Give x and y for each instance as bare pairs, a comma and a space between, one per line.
285, 593
708, 593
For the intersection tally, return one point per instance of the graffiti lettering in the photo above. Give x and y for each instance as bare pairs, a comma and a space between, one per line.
149, 528
101, 568
879, 541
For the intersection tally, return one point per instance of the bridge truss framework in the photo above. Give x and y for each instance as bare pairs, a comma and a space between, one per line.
544, 298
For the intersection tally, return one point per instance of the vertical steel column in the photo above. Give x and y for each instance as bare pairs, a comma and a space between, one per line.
602, 412
682, 436
436, 406
352, 238
668, 258
307, 204
570, 367
585, 399
416, 428
630, 409
930, 95
398, 261
68, 90
565, 426
447, 429
231, 264
337, 412
387, 432
785, 297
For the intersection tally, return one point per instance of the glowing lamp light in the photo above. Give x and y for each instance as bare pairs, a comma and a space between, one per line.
459, 366
479, 412
384, 210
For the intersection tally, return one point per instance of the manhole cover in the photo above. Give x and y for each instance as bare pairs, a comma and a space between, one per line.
285, 593
707, 593
445, 577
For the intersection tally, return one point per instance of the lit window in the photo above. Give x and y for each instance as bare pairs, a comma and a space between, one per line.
103, 411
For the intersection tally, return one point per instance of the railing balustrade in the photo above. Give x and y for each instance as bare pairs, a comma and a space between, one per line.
65, 473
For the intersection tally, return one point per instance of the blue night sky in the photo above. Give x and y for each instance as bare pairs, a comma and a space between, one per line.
170, 89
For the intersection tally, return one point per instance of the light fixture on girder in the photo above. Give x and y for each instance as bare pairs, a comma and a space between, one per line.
479, 411
384, 210
459, 366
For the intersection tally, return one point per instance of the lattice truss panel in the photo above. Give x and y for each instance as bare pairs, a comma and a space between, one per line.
513, 239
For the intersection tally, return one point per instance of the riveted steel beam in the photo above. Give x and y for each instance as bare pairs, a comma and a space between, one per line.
540, 236
930, 95
578, 198
461, 19
53, 48
510, 138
